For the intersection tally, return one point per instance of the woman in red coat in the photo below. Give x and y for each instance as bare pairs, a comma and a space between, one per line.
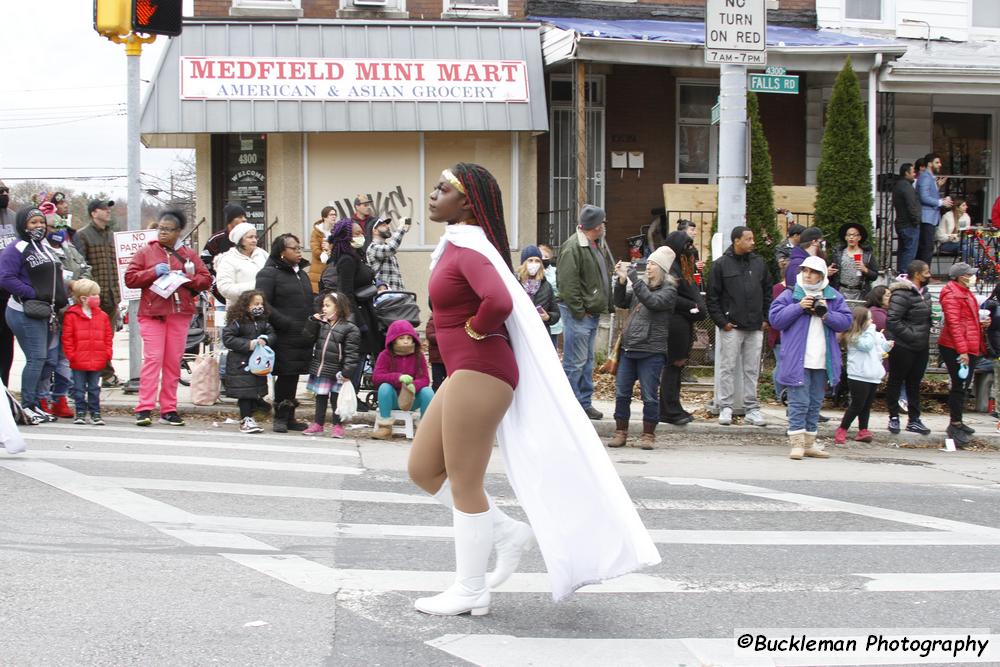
961, 342
164, 320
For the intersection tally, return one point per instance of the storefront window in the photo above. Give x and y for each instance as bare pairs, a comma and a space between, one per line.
986, 13
965, 143
863, 10
697, 138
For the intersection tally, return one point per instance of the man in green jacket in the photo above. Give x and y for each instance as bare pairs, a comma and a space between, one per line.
585, 268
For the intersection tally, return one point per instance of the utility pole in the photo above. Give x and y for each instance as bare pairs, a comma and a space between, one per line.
122, 21
735, 36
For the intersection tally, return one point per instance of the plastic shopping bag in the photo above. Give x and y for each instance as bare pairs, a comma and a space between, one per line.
13, 442
347, 401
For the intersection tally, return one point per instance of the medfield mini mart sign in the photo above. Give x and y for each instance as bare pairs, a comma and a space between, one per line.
349, 80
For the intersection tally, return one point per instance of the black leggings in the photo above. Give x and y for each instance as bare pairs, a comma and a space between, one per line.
956, 397
321, 403
862, 397
246, 406
905, 366
284, 388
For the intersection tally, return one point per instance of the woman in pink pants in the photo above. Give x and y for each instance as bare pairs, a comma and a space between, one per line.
164, 321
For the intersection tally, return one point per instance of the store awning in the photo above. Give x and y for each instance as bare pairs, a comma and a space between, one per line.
346, 76
681, 44
932, 67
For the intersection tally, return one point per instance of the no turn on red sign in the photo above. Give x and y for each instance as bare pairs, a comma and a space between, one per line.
736, 32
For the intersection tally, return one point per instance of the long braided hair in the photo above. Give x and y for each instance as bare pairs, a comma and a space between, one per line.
483, 193
340, 239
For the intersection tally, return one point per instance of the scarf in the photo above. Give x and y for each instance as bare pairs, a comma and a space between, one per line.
531, 286
812, 290
586, 525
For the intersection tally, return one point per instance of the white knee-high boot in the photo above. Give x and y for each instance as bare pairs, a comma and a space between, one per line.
510, 536
469, 593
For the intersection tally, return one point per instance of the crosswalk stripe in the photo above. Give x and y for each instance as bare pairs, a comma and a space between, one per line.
721, 537
492, 650
934, 581
394, 498
34, 436
123, 457
898, 516
268, 490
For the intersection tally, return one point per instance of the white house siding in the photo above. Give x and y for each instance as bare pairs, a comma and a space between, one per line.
947, 18
913, 127
830, 14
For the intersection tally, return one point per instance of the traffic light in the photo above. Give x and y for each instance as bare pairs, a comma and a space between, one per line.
113, 17
156, 17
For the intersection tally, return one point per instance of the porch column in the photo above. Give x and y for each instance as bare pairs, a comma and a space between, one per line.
581, 134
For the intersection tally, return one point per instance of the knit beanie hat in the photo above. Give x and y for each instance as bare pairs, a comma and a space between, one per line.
530, 251
232, 211
239, 231
663, 257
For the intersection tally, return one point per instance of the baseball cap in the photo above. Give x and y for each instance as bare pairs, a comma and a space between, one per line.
960, 269
98, 203
796, 229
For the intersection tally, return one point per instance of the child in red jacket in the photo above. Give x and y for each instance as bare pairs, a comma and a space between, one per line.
87, 340
401, 377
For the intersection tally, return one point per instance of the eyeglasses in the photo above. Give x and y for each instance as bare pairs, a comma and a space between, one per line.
166, 230
365, 203
294, 248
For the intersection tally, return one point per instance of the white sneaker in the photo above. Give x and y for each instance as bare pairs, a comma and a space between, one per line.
249, 425
726, 416
756, 418
903, 405
32, 417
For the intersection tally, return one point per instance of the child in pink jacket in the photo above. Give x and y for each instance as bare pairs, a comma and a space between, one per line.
401, 377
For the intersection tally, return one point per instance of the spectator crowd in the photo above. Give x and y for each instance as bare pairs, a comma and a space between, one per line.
818, 308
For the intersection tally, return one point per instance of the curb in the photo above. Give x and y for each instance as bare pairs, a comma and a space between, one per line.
606, 427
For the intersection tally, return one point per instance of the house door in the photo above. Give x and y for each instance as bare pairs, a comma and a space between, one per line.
965, 143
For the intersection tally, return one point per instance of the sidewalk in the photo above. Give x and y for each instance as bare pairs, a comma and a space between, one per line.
117, 400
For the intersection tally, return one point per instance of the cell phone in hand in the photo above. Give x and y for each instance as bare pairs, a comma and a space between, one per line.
541, 311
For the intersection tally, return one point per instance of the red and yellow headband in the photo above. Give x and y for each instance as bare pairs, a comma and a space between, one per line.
455, 183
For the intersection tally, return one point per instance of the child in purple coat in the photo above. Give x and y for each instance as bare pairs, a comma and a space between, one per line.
401, 377
809, 318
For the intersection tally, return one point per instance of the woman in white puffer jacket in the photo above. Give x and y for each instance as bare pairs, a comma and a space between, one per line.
236, 269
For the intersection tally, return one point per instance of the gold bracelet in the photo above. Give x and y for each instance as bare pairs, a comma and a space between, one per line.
473, 334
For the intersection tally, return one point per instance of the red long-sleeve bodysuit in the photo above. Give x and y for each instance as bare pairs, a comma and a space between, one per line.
465, 284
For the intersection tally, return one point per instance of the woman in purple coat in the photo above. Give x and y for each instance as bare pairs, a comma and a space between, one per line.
809, 318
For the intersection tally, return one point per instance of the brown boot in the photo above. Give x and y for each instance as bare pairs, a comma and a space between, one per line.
811, 450
621, 433
383, 428
797, 441
648, 438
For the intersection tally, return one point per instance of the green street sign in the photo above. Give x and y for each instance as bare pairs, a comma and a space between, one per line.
774, 83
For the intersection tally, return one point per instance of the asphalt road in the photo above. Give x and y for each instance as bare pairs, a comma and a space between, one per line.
199, 545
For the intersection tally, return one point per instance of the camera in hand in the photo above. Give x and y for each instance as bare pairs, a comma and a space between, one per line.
819, 307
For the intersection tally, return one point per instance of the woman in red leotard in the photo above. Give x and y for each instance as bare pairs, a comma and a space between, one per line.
505, 383
453, 445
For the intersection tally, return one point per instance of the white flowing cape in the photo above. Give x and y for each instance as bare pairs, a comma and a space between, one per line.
584, 521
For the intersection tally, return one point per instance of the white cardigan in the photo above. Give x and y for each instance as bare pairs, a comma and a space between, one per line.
236, 273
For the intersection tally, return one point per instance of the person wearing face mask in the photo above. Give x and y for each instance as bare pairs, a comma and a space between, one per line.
908, 322
961, 342
532, 278
356, 281
381, 253
32, 274
96, 242
551, 275
57, 377
164, 320
8, 235
87, 339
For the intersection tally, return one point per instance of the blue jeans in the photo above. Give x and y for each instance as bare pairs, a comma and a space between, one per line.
909, 239
579, 345
805, 401
647, 371
87, 392
57, 378
388, 400
778, 387
33, 338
